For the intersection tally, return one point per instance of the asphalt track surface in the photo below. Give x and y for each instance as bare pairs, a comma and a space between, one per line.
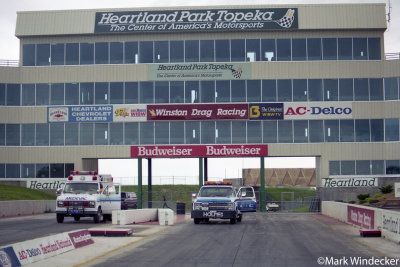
261, 239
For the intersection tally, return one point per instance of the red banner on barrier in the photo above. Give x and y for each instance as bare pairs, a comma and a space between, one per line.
364, 218
198, 112
195, 151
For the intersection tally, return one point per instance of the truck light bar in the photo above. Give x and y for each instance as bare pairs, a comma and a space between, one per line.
83, 172
217, 183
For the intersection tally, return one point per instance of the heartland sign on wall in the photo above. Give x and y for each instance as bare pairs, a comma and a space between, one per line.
195, 151
196, 20
349, 182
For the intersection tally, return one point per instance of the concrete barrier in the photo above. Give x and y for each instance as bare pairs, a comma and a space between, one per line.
122, 217
26, 207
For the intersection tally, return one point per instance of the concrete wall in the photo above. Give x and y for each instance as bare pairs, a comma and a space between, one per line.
26, 207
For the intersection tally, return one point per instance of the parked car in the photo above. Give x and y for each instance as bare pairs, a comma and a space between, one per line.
128, 200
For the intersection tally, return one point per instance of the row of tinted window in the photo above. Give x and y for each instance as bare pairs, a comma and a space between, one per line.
235, 50
196, 132
364, 167
38, 170
200, 91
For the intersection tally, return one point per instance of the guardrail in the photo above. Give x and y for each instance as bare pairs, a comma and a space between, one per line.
9, 62
392, 56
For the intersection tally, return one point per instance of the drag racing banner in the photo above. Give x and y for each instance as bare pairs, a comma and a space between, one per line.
195, 151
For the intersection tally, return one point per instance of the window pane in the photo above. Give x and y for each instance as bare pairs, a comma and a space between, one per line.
299, 49
42, 171
42, 94
177, 92
329, 48
239, 132
42, 134
269, 90
2, 170
28, 55
300, 131
208, 132
346, 89
283, 49
57, 170
376, 89
87, 93
362, 130
346, 131
101, 53
161, 132
146, 92
146, 133
316, 131
57, 54
254, 132
131, 53
116, 53
345, 49
284, 90
42, 54
360, 49
270, 132
161, 51
222, 51
206, 50
12, 170
238, 91
146, 52
253, 50
14, 94
391, 130
2, 94
27, 170
377, 167
223, 91
71, 94
57, 134
207, 91
331, 131
363, 167
268, 50
334, 167
101, 134
315, 91
72, 134
28, 94
391, 89
347, 167
299, 90
392, 167
285, 132
131, 93
374, 48
27, 134
177, 134
253, 90
331, 91
131, 133
86, 53
2, 134
176, 51
238, 50
161, 92
191, 51
116, 133
192, 92
116, 93
71, 54
377, 132
192, 132
361, 92
57, 94
86, 134
314, 49
223, 132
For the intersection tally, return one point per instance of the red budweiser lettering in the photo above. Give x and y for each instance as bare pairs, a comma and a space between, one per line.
199, 151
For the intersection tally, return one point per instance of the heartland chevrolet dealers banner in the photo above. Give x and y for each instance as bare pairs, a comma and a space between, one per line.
196, 20
196, 151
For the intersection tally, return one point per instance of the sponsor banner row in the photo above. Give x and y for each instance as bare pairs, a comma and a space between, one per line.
228, 111
350, 182
190, 151
41, 248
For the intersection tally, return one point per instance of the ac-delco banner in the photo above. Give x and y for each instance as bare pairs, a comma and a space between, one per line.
266, 111
198, 112
364, 218
350, 182
198, 71
191, 151
196, 20
318, 110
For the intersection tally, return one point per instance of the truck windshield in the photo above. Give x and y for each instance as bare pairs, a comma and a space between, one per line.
79, 188
209, 191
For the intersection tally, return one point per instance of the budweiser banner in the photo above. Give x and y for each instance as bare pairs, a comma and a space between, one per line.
195, 151
198, 112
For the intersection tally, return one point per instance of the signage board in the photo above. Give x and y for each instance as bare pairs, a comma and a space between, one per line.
397, 189
391, 225
266, 111
8, 257
129, 113
318, 110
349, 182
196, 20
364, 218
194, 151
198, 112
80, 238
89, 113
45, 183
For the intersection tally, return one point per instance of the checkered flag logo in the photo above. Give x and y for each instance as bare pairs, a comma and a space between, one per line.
237, 73
287, 20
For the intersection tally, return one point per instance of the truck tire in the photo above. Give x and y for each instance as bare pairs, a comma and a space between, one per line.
239, 219
196, 221
77, 218
233, 220
98, 217
60, 218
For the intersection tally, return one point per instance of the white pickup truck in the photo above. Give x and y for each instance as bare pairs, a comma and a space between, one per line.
88, 194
